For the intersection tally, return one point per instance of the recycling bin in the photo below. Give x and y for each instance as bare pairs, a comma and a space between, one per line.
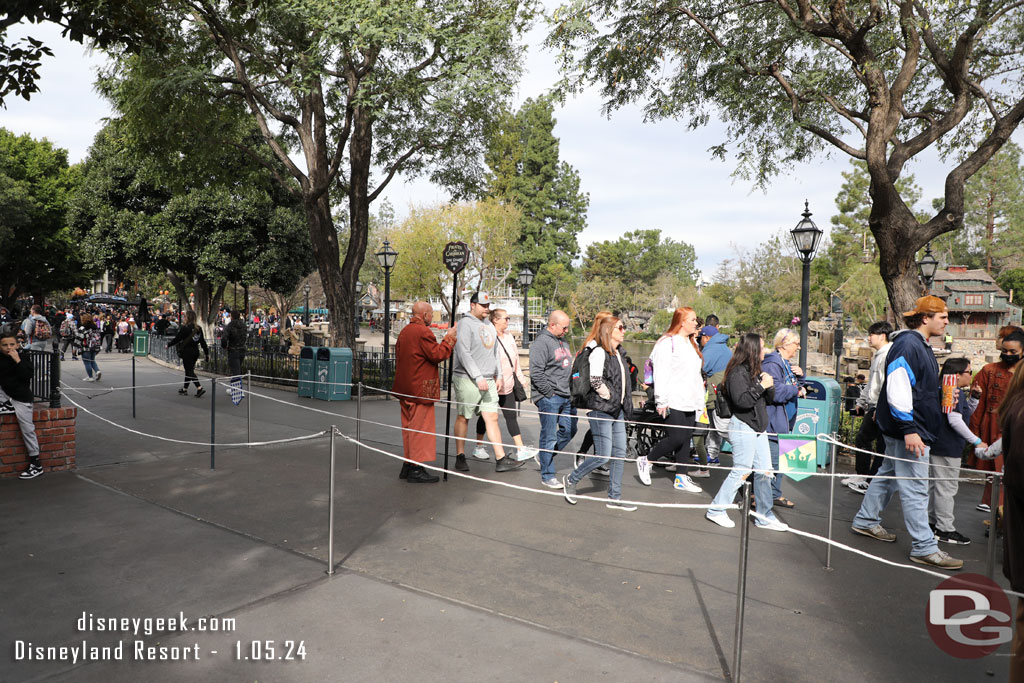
140, 343
307, 370
333, 374
818, 412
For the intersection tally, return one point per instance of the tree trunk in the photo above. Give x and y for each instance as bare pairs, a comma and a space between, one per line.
360, 161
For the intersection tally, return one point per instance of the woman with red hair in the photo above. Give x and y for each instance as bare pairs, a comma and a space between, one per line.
678, 395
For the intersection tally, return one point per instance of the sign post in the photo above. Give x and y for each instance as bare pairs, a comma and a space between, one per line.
456, 255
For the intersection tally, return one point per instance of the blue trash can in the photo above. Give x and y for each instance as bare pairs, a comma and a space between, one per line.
307, 370
818, 412
333, 374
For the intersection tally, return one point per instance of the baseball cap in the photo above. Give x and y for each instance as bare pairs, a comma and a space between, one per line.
481, 298
708, 331
927, 304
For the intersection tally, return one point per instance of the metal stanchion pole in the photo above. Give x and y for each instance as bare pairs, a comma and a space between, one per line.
213, 421
831, 500
741, 581
133, 384
359, 421
248, 409
330, 514
993, 530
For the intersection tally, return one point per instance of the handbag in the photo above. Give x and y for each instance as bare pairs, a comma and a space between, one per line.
518, 390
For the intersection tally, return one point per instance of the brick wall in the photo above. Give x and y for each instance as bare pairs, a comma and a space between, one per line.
55, 429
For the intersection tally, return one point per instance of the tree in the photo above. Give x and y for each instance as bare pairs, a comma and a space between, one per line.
489, 228
523, 168
105, 23
360, 90
243, 228
995, 208
1012, 280
880, 82
37, 251
640, 256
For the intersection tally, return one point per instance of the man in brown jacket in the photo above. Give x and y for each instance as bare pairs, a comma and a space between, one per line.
417, 355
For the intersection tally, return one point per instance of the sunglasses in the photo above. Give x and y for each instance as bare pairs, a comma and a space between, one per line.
621, 327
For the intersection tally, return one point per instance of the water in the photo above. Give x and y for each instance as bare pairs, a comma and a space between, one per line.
638, 351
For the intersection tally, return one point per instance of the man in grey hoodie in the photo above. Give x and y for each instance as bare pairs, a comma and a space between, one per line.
550, 367
477, 377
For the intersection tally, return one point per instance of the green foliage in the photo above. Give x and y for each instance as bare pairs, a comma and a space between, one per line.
523, 168
761, 285
1012, 279
37, 251
640, 257
994, 220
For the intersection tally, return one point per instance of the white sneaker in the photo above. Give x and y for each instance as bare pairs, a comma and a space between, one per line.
643, 470
684, 483
846, 481
527, 452
769, 523
721, 520
619, 505
480, 453
98, 375
551, 483
88, 379
860, 487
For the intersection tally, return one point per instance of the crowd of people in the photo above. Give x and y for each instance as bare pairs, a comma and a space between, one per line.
704, 393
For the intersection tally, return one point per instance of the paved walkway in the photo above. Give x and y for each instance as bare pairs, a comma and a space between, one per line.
458, 581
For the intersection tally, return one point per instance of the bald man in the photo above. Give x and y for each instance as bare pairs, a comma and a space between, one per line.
417, 355
550, 367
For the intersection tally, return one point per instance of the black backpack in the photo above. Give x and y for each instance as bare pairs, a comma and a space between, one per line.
579, 379
722, 408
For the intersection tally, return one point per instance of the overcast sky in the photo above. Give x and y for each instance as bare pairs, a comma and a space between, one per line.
638, 175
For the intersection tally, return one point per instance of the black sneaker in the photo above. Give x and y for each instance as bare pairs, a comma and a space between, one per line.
508, 463
31, 472
953, 537
460, 463
419, 475
200, 391
183, 392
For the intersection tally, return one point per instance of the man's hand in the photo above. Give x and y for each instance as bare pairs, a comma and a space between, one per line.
450, 335
663, 410
914, 444
481, 384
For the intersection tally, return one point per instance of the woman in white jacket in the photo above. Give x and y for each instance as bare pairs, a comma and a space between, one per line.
678, 395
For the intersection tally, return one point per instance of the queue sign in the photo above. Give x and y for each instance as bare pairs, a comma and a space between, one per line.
456, 256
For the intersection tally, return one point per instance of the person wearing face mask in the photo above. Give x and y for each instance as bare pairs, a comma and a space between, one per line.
991, 382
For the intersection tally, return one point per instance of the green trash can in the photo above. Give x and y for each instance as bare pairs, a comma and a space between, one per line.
307, 371
140, 343
818, 412
333, 374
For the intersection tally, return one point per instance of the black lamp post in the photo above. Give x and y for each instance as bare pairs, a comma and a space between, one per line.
525, 280
359, 292
305, 308
927, 267
386, 258
806, 236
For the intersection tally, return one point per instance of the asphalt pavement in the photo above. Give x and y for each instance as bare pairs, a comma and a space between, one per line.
456, 581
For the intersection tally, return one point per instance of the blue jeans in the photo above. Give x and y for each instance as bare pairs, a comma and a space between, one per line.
609, 440
89, 360
773, 445
750, 451
557, 427
913, 495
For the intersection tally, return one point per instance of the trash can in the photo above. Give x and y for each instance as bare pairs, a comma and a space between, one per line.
140, 343
307, 370
333, 374
818, 412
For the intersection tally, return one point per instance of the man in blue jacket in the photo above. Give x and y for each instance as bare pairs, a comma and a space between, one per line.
714, 348
909, 413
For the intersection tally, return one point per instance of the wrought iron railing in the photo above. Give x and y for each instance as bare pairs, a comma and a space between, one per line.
45, 375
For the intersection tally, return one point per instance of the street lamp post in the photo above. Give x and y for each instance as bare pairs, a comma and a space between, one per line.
806, 236
525, 280
386, 258
355, 317
305, 308
927, 267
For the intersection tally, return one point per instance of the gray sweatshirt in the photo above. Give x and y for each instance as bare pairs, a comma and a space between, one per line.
476, 349
550, 366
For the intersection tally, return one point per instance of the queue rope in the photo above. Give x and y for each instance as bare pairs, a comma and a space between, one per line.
305, 437
770, 472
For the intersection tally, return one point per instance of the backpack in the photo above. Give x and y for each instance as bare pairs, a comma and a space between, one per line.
67, 328
579, 378
649, 364
93, 339
42, 331
722, 408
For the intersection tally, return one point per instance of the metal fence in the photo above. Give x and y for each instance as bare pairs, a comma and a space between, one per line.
45, 375
270, 366
158, 349
375, 369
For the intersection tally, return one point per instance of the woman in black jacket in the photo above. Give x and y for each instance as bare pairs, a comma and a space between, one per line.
610, 404
748, 390
189, 339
